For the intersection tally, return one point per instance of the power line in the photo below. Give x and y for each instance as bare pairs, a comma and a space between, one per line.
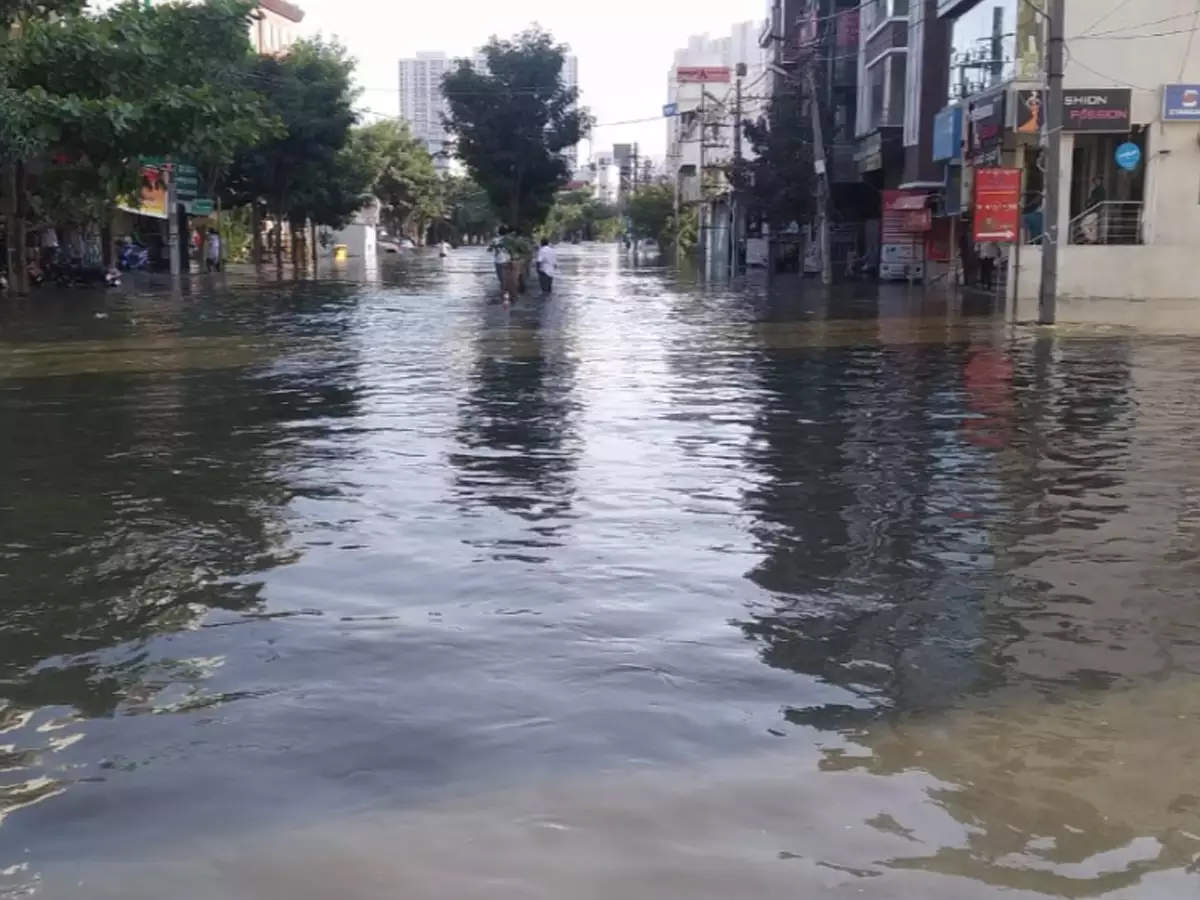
1191, 37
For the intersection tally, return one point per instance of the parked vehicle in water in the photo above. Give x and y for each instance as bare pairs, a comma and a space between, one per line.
133, 256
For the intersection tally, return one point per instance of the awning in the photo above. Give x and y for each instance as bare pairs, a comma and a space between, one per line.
909, 202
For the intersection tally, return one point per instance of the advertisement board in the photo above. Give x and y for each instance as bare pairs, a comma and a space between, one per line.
152, 197
1031, 112
703, 75
986, 115
1181, 103
947, 134
1097, 110
997, 206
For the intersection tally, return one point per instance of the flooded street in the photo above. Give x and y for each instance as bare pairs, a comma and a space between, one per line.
649, 590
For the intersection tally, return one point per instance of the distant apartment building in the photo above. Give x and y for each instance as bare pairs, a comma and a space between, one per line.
422, 104
273, 26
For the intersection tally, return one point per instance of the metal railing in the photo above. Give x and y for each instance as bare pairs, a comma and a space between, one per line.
1111, 222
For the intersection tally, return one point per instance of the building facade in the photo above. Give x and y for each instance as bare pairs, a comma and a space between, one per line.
1129, 215
273, 26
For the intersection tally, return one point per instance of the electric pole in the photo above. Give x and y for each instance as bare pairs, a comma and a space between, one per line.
702, 228
1048, 295
633, 194
821, 168
735, 224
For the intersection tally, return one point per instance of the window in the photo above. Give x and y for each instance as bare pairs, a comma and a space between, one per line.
876, 12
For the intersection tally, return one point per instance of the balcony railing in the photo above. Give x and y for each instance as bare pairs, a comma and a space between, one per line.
1111, 222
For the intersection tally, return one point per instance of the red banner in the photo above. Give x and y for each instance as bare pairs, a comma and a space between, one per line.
997, 206
702, 75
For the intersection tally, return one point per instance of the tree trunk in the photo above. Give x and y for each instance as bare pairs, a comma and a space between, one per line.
279, 243
312, 231
256, 242
18, 232
13, 254
106, 240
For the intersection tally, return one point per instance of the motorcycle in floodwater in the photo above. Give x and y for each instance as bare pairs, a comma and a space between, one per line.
133, 256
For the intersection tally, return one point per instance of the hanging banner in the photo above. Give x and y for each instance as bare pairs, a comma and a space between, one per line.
1031, 26
152, 198
997, 206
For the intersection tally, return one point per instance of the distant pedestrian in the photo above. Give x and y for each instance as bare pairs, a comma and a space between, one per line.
500, 255
49, 247
443, 249
547, 266
212, 251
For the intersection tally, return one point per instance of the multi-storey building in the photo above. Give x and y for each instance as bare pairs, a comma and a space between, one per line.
1128, 217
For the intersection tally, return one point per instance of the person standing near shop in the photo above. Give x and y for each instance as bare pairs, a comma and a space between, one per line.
547, 266
989, 253
212, 251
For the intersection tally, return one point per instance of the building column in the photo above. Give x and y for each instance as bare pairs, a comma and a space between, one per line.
1064, 182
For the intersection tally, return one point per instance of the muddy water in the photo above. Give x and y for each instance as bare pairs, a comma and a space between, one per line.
650, 590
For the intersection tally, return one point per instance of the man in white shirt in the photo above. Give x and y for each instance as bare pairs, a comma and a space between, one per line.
547, 266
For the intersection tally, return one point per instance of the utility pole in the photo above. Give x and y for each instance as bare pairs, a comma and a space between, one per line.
822, 170
702, 229
632, 194
1048, 295
735, 224
173, 254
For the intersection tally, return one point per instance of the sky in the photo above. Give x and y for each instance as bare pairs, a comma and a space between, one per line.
625, 47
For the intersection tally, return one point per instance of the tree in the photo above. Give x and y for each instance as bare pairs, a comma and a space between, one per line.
780, 178
652, 212
467, 211
302, 172
514, 122
578, 216
402, 175
89, 93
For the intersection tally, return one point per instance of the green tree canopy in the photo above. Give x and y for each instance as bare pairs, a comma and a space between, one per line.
578, 216
402, 175
95, 91
304, 171
652, 211
514, 124
467, 209
780, 178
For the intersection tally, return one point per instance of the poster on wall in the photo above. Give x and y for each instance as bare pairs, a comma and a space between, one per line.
1031, 112
997, 216
986, 118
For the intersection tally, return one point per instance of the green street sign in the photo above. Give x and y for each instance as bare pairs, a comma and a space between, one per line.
200, 206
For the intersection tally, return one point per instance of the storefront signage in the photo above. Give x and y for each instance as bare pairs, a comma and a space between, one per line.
1031, 116
702, 75
1181, 103
997, 205
1097, 110
1128, 156
986, 114
947, 134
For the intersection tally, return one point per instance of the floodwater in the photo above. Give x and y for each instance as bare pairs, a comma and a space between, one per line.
649, 590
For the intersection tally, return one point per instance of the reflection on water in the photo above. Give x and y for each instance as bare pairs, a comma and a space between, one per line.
652, 589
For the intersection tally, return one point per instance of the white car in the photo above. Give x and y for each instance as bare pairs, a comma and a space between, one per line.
386, 244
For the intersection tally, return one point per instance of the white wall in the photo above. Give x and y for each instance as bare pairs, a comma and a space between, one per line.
1115, 272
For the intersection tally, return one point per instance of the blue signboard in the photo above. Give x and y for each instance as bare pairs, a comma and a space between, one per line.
947, 134
1128, 156
671, 109
1181, 103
